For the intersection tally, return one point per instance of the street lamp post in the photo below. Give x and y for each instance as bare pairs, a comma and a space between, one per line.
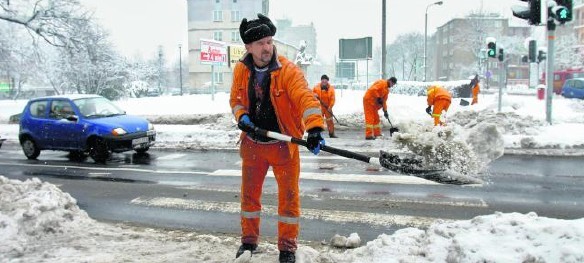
426, 38
180, 67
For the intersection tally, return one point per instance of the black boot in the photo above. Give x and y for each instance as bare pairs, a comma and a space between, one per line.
244, 247
332, 135
287, 257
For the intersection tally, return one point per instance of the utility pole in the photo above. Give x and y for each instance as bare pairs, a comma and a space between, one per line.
383, 51
180, 67
551, 36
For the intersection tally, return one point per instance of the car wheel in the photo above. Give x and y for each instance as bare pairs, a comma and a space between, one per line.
30, 149
98, 150
142, 150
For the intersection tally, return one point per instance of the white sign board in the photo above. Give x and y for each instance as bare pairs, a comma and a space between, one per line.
213, 52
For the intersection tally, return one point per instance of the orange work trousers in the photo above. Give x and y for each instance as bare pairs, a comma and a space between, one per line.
329, 120
475, 100
439, 106
256, 158
372, 122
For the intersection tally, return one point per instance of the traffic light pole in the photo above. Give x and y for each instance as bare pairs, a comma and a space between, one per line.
551, 35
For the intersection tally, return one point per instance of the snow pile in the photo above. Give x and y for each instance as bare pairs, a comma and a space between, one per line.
465, 151
30, 210
499, 237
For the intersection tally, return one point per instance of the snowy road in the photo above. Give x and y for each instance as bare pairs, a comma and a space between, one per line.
186, 190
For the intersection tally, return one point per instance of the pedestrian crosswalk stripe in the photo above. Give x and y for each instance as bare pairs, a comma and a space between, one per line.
363, 178
307, 213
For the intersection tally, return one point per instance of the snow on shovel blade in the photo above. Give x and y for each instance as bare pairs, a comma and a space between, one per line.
413, 166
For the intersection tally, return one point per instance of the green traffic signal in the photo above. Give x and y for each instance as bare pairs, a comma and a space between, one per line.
563, 14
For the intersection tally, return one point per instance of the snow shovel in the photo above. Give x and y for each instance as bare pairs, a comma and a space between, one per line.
329, 111
390, 161
464, 102
392, 129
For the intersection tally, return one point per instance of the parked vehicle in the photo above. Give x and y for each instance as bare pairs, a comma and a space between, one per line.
83, 125
561, 76
573, 88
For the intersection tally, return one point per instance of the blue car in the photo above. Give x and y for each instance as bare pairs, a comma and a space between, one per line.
573, 88
83, 125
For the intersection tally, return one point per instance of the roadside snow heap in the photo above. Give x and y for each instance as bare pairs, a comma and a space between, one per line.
30, 210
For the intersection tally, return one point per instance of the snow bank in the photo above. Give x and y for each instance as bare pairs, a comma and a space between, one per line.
40, 223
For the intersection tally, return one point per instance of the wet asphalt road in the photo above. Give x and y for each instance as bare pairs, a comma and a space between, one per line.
199, 190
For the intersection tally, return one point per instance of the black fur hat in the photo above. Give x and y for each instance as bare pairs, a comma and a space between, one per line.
256, 29
324, 77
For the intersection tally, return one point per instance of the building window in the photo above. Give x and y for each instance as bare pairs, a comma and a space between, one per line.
235, 36
217, 15
218, 77
218, 35
235, 1
217, 1
235, 16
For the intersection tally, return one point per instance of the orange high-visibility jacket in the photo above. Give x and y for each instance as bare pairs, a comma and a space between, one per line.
475, 90
379, 89
326, 97
437, 93
295, 105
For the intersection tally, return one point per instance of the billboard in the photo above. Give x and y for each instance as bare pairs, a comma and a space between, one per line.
213, 52
235, 54
357, 48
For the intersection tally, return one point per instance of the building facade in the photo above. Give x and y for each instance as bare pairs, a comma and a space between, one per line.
216, 20
460, 46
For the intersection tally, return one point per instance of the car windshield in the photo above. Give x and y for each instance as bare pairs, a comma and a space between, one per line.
97, 107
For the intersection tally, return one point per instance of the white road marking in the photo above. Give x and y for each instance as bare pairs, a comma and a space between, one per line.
171, 156
307, 213
106, 168
384, 179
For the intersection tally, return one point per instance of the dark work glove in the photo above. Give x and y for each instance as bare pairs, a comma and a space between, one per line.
245, 124
429, 110
385, 114
314, 140
380, 101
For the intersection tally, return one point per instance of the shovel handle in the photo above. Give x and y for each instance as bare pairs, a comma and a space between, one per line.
337, 151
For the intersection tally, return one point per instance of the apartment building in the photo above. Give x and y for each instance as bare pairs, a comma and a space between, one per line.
461, 49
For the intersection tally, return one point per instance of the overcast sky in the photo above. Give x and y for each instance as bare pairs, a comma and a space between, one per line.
139, 26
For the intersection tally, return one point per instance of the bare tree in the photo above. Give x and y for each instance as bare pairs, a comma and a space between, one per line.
52, 20
406, 56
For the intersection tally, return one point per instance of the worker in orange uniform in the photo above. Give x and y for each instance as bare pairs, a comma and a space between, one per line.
376, 98
325, 93
476, 88
271, 93
439, 99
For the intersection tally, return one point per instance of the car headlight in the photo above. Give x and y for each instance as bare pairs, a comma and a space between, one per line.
150, 126
118, 131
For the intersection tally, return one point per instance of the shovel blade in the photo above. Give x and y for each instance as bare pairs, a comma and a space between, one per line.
392, 130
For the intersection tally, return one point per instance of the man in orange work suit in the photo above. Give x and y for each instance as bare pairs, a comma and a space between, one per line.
325, 92
439, 98
376, 98
270, 92
476, 88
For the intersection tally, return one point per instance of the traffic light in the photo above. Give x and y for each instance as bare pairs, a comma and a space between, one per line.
524, 59
541, 56
492, 49
562, 11
501, 55
532, 50
531, 13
